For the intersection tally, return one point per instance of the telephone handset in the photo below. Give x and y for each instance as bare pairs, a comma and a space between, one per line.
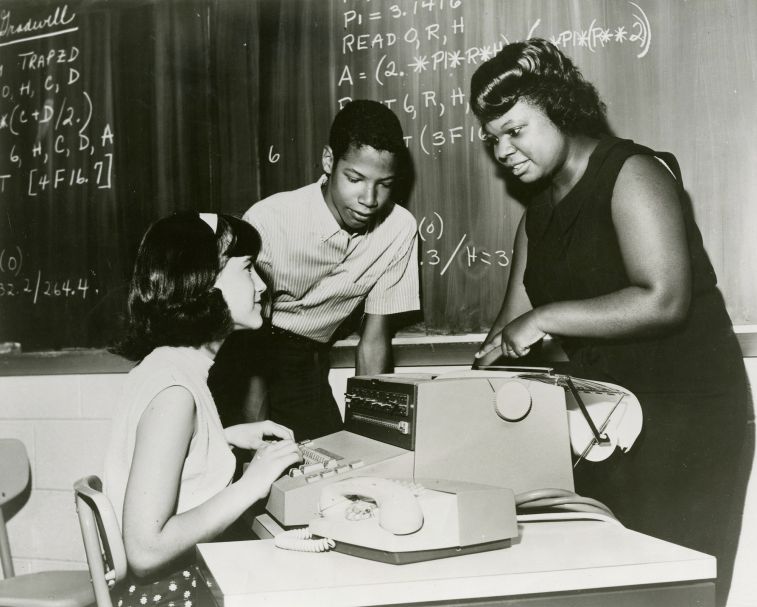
397, 507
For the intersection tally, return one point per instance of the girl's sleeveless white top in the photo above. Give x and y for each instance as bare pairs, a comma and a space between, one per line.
209, 466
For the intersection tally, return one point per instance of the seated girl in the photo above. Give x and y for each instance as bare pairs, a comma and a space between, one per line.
169, 467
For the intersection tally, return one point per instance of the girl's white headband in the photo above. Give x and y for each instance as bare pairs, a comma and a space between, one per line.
211, 219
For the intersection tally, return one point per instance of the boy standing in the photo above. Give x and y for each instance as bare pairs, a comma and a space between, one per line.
327, 248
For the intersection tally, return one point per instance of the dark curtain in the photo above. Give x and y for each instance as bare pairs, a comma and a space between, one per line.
297, 97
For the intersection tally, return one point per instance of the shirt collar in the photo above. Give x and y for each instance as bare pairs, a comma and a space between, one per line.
324, 222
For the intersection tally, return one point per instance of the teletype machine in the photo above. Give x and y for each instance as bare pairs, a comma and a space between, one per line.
428, 465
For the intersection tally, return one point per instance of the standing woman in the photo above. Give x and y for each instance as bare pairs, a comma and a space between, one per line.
169, 466
608, 260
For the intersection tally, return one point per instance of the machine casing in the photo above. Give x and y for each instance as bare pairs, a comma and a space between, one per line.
447, 427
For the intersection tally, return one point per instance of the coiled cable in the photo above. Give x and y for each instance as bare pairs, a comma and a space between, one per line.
302, 540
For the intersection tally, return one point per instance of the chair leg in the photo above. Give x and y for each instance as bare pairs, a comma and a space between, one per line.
5, 550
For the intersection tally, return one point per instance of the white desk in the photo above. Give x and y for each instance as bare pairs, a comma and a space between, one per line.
565, 563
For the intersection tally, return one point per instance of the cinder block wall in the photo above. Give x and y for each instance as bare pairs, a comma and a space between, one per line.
64, 421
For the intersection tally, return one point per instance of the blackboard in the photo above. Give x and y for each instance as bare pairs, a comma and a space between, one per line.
165, 96
213, 104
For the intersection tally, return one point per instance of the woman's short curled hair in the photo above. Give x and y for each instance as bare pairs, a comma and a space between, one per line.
537, 72
172, 297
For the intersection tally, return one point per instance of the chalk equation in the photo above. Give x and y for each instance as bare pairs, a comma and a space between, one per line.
49, 137
466, 253
420, 55
592, 35
34, 285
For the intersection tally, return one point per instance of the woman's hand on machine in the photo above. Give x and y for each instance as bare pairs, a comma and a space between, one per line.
514, 341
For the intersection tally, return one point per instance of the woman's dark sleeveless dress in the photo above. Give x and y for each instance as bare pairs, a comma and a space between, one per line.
685, 478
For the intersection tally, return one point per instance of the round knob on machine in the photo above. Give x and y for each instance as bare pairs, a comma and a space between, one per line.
513, 401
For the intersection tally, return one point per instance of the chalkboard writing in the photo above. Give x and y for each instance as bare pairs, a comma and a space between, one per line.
32, 284
107, 121
417, 57
115, 113
57, 156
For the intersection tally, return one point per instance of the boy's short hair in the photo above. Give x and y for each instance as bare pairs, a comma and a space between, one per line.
172, 297
364, 122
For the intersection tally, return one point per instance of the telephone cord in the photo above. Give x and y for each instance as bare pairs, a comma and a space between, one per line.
302, 540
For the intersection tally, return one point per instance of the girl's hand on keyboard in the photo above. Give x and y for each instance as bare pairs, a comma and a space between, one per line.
252, 436
270, 461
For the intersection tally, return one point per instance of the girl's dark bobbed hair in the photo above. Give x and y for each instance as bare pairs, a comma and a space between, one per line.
172, 298
537, 72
